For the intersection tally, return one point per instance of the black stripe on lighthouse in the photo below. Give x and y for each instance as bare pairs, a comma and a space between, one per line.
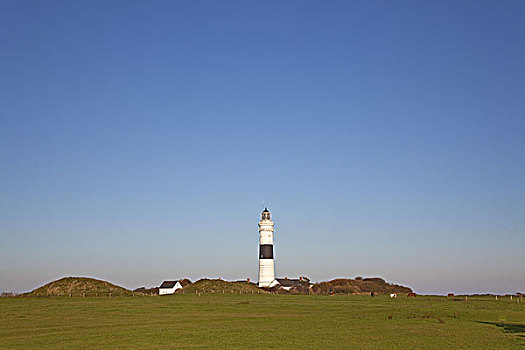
266, 251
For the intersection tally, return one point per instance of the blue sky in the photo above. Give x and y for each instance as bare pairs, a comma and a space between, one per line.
139, 141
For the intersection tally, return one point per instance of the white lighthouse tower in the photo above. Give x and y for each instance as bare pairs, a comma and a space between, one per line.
266, 264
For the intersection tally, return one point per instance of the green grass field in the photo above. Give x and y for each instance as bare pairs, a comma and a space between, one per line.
227, 321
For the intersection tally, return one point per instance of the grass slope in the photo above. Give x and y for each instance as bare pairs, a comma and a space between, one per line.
218, 286
233, 321
77, 286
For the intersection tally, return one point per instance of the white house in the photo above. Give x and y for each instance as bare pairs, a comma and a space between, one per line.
289, 283
169, 287
286, 283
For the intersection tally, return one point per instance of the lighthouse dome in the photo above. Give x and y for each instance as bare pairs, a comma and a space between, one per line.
265, 214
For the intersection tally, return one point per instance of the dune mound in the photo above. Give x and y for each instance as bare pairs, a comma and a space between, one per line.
79, 286
359, 286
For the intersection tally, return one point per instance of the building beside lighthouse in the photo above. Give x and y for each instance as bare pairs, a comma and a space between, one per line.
266, 261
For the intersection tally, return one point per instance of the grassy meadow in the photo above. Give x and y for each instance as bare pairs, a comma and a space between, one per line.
225, 321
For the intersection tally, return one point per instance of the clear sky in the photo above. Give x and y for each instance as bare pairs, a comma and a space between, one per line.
140, 139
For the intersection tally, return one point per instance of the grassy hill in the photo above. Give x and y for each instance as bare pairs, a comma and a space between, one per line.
78, 286
359, 286
218, 286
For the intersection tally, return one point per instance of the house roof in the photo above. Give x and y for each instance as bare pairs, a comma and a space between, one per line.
168, 284
285, 282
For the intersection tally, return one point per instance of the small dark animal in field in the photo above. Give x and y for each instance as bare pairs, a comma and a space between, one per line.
413, 295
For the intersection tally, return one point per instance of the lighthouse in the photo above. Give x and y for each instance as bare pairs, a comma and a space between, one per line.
266, 263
